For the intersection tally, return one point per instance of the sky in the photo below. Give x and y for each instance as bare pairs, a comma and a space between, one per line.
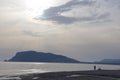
87, 30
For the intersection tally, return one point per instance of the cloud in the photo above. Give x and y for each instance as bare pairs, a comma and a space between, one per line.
42, 33
96, 18
30, 33
54, 13
91, 7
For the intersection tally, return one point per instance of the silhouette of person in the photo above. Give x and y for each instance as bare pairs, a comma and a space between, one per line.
99, 69
94, 67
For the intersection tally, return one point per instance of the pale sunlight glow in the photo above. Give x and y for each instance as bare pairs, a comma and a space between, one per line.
37, 7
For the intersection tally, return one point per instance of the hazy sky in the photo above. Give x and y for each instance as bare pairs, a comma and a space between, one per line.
87, 30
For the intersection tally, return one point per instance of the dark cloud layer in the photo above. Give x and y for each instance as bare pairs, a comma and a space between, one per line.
54, 13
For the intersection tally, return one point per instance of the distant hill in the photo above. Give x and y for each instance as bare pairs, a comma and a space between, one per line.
109, 61
33, 56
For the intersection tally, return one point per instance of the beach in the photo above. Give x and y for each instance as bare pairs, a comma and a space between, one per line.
57, 71
71, 75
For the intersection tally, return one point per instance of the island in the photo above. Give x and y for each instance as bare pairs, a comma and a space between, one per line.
33, 56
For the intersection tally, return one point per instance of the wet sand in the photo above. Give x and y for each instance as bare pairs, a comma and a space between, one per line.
73, 75
76, 75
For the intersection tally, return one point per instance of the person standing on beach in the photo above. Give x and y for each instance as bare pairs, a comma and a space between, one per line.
94, 67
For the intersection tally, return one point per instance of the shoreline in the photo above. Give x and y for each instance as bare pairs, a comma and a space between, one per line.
70, 75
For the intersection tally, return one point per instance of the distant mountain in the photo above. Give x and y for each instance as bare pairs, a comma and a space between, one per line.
109, 61
33, 56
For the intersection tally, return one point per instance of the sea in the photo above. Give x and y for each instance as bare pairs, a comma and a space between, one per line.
19, 68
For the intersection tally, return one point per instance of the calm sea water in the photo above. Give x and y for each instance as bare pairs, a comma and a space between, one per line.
16, 68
